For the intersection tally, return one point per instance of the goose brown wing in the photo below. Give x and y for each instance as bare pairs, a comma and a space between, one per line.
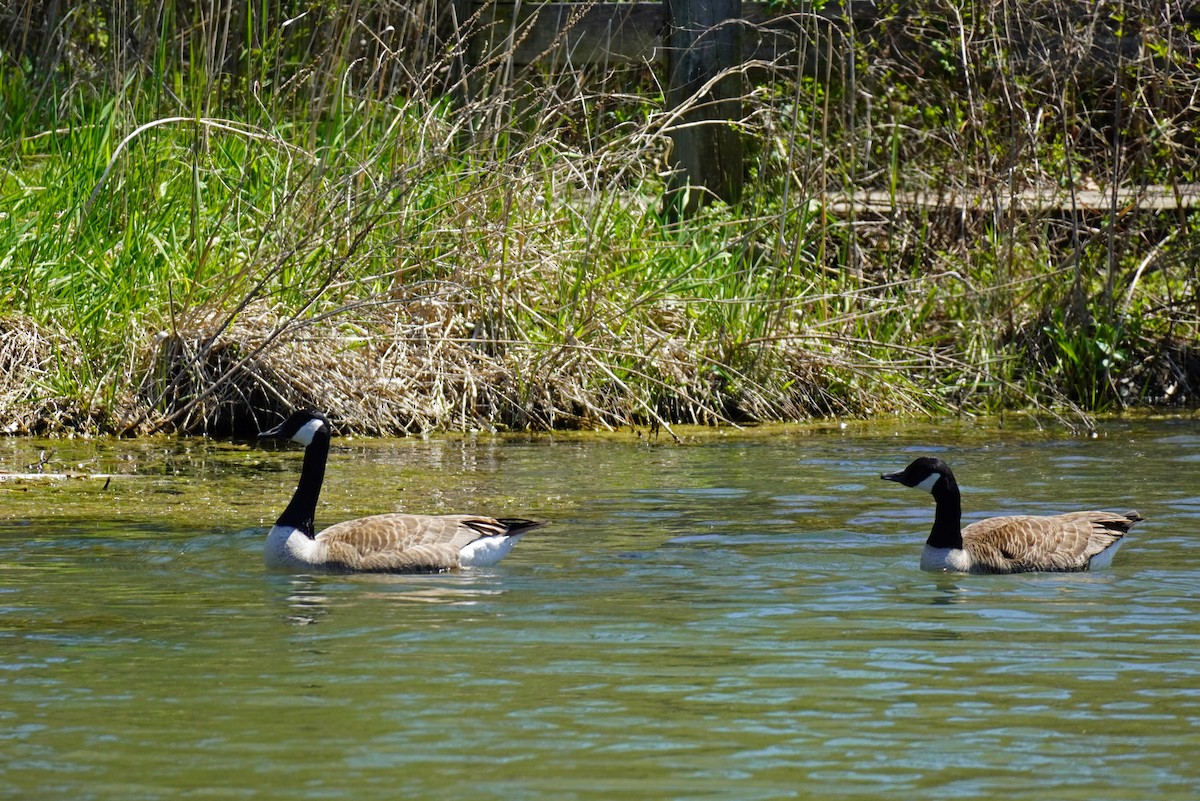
402, 543
1058, 542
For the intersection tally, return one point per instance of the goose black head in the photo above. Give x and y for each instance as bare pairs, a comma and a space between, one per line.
301, 427
923, 473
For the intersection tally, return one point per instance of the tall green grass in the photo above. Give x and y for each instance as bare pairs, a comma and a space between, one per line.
207, 242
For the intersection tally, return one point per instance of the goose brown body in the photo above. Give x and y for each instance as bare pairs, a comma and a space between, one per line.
1023, 543
1017, 544
404, 543
386, 543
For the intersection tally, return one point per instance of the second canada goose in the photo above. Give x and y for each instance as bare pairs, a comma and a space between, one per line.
1069, 542
387, 543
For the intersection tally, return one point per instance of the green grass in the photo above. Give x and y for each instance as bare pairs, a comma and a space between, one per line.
189, 258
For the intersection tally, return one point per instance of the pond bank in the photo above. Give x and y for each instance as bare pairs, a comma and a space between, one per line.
422, 377
188, 247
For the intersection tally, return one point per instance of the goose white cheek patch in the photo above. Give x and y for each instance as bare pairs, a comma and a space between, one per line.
307, 431
928, 483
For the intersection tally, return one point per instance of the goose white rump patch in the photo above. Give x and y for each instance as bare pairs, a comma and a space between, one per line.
487, 551
1105, 557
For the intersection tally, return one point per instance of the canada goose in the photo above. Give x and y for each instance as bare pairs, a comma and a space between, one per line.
388, 543
1069, 542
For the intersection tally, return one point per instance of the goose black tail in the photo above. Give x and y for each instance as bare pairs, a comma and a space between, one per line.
519, 525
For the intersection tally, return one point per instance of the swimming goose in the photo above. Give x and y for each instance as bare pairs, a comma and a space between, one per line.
387, 543
1069, 542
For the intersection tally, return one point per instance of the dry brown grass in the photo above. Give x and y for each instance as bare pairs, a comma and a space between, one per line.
31, 401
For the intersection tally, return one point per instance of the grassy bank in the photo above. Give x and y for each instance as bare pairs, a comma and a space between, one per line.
189, 242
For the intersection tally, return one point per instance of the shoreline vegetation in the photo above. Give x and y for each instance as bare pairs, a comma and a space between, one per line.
206, 220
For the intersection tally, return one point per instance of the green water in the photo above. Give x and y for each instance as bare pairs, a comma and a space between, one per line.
728, 618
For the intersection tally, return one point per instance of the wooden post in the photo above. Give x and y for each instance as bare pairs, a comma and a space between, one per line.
704, 39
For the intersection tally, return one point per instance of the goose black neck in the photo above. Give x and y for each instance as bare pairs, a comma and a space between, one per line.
303, 506
947, 515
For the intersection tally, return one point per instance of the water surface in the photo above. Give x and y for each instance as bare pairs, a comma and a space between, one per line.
734, 617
